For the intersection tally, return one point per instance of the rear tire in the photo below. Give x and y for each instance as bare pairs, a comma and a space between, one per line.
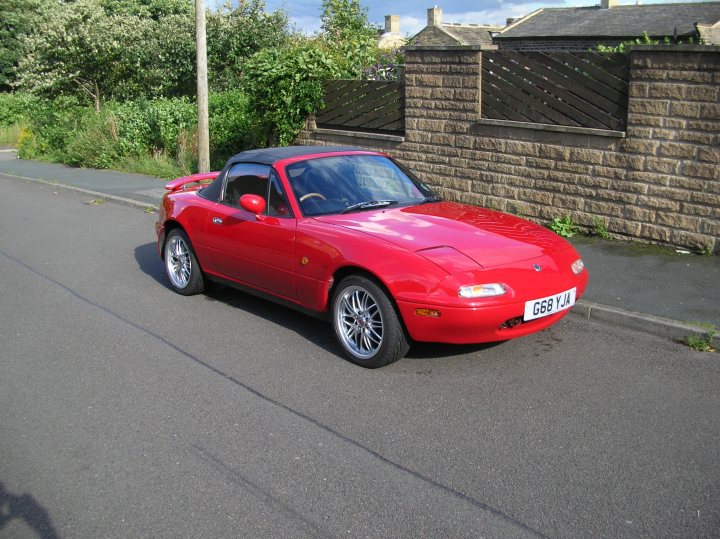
181, 264
366, 324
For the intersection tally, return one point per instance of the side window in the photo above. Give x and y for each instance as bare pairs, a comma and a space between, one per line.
245, 179
278, 205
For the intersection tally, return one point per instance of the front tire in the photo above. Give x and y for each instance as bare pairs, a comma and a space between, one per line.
366, 324
181, 264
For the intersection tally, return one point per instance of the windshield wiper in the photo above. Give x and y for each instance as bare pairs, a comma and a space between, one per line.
430, 199
369, 204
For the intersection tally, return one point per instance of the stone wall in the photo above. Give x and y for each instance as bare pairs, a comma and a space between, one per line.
660, 182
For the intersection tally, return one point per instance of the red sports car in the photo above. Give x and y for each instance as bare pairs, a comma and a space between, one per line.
353, 236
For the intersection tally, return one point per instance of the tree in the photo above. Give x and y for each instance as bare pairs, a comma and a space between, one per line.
152, 9
284, 86
17, 19
346, 29
346, 20
235, 34
82, 50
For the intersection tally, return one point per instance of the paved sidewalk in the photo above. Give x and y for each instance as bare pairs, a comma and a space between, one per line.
650, 288
142, 189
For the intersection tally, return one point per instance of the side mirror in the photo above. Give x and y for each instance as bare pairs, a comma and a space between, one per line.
253, 203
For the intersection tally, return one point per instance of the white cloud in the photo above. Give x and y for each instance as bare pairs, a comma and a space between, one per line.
492, 16
410, 25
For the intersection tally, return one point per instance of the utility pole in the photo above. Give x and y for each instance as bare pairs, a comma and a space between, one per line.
202, 88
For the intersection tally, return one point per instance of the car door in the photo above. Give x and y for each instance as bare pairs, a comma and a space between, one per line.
255, 250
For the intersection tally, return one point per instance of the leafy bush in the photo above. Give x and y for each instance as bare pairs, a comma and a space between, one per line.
285, 86
16, 107
233, 127
63, 130
95, 142
154, 126
52, 124
28, 145
142, 135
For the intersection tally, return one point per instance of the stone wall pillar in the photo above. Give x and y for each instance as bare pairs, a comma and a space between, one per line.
674, 127
443, 82
442, 91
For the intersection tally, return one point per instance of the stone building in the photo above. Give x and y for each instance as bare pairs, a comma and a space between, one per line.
438, 33
391, 38
583, 28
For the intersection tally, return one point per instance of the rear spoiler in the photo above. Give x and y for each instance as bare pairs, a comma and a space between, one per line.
180, 183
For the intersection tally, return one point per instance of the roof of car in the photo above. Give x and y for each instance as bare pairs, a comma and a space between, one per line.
268, 156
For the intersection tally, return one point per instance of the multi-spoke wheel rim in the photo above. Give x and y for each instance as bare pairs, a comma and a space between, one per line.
178, 262
359, 322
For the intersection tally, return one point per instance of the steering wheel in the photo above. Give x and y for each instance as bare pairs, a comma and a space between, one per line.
309, 195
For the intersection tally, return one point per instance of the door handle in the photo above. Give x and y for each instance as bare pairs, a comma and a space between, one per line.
217, 220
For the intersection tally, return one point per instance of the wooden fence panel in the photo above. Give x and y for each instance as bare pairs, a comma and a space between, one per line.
558, 88
363, 105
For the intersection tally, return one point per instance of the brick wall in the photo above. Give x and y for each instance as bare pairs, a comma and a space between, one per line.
661, 183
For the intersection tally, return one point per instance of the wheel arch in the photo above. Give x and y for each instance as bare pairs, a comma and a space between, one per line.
169, 226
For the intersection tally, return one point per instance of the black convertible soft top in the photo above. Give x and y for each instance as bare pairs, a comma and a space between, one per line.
268, 156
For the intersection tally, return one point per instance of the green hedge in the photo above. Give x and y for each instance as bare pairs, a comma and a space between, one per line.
63, 130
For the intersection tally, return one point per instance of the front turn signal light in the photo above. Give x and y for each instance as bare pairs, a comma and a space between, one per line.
482, 290
577, 266
432, 313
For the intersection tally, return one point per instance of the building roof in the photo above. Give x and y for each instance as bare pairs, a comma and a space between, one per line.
456, 34
658, 20
438, 33
471, 34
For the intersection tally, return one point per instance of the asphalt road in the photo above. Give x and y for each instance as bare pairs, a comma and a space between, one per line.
130, 411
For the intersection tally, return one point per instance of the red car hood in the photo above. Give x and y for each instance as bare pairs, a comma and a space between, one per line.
488, 237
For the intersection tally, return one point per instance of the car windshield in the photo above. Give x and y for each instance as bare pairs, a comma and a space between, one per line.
349, 183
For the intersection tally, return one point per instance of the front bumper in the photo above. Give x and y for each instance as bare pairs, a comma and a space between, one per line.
468, 325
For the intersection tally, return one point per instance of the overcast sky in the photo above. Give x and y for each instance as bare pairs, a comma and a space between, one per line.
305, 14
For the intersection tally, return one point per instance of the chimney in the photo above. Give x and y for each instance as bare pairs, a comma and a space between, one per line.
392, 24
608, 4
434, 16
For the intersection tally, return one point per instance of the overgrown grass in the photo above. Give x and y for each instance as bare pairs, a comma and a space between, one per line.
156, 137
9, 134
159, 166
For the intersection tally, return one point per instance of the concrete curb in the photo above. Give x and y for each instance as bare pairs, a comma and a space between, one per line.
647, 323
115, 198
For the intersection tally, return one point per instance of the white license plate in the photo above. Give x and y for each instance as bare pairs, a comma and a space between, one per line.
537, 308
